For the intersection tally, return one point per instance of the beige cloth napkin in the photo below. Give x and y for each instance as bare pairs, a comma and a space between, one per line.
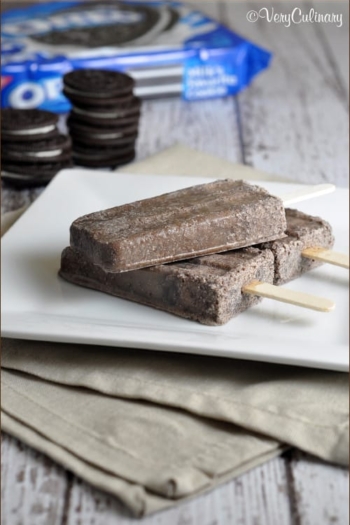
181, 160
156, 428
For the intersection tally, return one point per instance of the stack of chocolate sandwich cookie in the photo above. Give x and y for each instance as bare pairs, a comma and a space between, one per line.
104, 119
32, 149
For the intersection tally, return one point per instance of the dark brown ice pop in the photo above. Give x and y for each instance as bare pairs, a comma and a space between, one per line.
204, 219
303, 231
210, 289
206, 289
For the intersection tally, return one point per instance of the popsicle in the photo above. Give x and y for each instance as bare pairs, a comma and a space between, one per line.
210, 289
304, 232
201, 220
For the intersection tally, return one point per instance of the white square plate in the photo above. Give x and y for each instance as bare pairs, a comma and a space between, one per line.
37, 304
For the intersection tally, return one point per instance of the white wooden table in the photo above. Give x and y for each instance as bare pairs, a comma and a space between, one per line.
292, 121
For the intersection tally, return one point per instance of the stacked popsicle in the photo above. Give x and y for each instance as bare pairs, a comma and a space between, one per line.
104, 119
227, 244
32, 149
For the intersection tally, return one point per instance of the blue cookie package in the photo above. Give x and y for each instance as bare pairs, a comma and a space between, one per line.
166, 46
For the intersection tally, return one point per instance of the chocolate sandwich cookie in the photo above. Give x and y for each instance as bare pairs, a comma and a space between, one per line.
98, 87
97, 102
108, 124
115, 24
101, 135
91, 114
82, 140
24, 125
55, 149
103, 156
27, 175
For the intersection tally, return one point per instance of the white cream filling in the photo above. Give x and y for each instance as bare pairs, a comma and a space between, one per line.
43, 129
99, 115
52, 153
106, 135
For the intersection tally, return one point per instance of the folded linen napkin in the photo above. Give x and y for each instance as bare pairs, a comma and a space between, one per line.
181, 160
156, 428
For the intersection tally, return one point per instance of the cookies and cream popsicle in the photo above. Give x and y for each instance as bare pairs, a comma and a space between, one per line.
204, 219
302, 233
205, 289
210, 289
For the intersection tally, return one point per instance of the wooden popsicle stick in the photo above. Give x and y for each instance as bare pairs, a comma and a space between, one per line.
308, 192
327, 256
284, 295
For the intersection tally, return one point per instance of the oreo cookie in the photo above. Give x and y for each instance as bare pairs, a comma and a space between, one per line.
27, 125
28, 175
103, 156
90, 114
122, 24
104, 135
105, 113
78, 99
98, 87
56, 149
82, 140
106, 124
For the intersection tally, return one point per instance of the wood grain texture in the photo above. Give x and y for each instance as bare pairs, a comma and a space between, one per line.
321, 491
33, 488
12, 199
294, 117
258, 497
210, 126
284, 295
335, 41
327, 256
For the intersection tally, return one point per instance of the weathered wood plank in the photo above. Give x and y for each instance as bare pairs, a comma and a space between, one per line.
32, 486
258, 497
321, 491
335, 40
294, 116
12, 199
209, 126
